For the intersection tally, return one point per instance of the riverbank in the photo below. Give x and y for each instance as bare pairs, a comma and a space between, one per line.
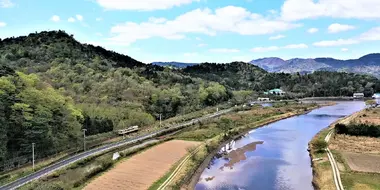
357, 158
194, 169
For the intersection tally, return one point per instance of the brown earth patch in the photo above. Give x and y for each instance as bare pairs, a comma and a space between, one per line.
363, 162
347, 143
142, 170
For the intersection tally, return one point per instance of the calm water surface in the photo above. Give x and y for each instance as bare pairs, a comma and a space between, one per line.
273, 157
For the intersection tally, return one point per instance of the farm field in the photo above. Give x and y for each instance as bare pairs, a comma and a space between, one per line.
363, 162
142, 170
359, 156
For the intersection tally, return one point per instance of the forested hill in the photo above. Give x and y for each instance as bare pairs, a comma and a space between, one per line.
235, 76
39, 49
62, 86
245, 76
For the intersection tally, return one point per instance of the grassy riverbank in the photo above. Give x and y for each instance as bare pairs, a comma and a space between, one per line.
218, 132
358, 157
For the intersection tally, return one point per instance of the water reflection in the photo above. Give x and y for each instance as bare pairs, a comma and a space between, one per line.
238, 155
272, 157
267, 105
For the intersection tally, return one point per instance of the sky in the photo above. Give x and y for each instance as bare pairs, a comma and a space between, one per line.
205, 30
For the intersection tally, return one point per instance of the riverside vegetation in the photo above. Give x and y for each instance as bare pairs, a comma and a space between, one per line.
52, 87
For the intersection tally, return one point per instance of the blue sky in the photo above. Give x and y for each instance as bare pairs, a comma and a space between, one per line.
206, 30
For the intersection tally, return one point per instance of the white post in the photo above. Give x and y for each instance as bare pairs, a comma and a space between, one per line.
84, 139
160, 120
33, 154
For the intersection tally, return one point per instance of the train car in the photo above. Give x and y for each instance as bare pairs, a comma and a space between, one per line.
128, 130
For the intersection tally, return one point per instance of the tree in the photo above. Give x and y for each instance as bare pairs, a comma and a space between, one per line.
226, 124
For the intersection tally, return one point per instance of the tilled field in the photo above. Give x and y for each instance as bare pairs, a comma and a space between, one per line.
142, 170
363, 162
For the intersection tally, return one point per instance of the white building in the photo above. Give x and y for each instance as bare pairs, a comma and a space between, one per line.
358, 95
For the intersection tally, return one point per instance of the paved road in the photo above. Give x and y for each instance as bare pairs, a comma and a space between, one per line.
51, 168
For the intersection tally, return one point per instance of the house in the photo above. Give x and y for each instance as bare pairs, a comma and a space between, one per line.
358, 95
376, 96
277, 92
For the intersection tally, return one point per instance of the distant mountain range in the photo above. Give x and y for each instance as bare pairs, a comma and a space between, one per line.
368, 64
174, 64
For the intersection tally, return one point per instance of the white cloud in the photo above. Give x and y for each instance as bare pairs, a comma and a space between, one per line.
336, 27
157, 20
99, 19
224, 50
71, 19
276, 37
6, 3
142, 5
303, 9
190, 54
99, 34
339, 42
296, 46
202, 21
344, 50
265, 49
202, 45
55, 18
371, 35
275, 48
3, 24
313, 30
272, 11
79, 17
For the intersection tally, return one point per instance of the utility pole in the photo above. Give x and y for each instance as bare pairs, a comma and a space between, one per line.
84, 139
33, 154
160, 119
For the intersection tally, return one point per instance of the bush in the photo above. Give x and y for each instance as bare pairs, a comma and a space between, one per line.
319, 145
359, 130
104, 165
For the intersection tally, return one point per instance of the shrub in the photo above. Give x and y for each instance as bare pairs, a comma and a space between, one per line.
359, 130
319, 145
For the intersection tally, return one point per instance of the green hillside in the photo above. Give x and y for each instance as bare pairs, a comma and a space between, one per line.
52, 86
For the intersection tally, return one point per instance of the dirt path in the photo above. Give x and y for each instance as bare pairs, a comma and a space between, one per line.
142, 170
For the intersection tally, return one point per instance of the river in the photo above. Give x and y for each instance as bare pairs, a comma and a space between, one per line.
273, 157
